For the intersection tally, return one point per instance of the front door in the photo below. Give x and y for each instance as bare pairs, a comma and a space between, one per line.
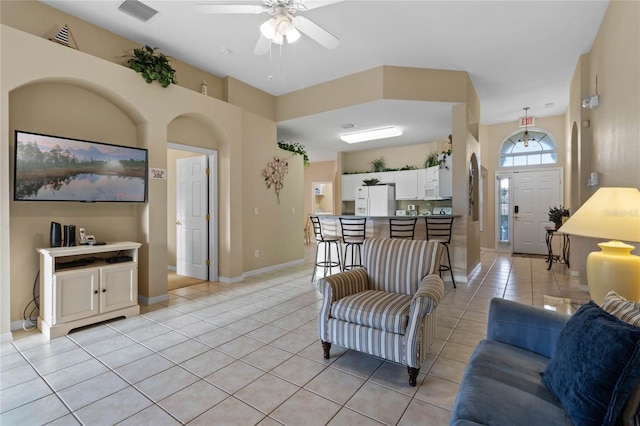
533, 193
192, 240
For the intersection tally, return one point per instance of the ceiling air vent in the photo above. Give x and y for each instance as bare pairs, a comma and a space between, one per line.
138, 10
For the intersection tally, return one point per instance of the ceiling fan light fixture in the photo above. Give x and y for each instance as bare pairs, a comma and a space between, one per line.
278, 38
369, 135
268, 29
293, 35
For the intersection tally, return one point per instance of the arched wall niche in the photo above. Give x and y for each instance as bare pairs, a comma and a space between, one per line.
75, 109
474, 188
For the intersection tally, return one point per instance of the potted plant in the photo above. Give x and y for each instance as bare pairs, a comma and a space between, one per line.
556, 214
378, 165
154, 66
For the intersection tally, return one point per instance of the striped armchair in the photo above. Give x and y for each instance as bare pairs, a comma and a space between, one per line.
386, 309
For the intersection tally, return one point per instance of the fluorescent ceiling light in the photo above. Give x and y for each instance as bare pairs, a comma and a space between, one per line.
369, 135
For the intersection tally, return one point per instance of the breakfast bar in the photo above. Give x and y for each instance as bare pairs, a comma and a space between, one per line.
379, 227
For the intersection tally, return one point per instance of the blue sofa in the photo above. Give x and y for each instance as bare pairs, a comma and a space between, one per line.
502, 384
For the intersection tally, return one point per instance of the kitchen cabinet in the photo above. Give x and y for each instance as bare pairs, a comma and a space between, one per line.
351, 181
78, 286
349, 185
438, 182
410, 184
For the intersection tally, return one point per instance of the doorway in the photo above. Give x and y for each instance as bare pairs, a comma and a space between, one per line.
192, 228
522, 208
322, 198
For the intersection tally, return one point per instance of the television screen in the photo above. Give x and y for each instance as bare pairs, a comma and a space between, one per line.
52, 168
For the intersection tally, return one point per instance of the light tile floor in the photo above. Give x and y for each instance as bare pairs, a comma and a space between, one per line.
248, 353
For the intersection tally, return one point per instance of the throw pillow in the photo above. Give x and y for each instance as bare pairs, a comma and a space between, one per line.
595, 367
627, 310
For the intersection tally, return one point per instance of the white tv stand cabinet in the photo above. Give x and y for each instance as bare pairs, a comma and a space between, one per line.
89, 290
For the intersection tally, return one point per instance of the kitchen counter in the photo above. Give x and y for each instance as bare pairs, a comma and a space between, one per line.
378, 226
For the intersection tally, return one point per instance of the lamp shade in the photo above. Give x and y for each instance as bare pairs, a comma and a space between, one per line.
610, 213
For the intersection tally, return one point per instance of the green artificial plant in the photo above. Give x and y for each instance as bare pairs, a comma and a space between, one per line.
153, 65
297, 149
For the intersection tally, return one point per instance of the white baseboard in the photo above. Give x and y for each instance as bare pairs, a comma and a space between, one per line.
228, 280
18, 325
143, 300
273, 268
6, 337
172, 268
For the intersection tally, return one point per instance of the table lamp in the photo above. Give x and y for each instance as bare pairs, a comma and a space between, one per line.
610, 213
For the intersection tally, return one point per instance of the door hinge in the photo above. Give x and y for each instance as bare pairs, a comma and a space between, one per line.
207, 171
208, 216
208, 262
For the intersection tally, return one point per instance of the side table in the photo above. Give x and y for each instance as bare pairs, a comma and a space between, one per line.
565, 247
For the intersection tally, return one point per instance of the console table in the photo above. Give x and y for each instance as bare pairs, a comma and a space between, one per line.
565, 247
85, 284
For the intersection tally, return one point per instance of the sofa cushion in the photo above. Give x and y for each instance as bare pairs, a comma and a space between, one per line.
376, 309
502, 386
595, 367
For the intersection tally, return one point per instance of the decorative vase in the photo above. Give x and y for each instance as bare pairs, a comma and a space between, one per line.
558, 225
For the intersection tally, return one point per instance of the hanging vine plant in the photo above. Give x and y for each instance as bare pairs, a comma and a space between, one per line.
274, 174
153, 65
297, 149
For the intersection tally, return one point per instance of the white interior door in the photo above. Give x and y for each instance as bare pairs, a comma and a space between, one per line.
533, 193
192, 217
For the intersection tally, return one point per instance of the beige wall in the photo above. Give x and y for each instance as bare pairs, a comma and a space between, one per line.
395, 158
611, 144
279, 223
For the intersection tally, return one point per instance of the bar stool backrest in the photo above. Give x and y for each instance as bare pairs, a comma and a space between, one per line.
402, 227
322, 228
439, 228
353, 229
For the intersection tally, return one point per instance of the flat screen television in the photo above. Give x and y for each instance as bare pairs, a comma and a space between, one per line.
54, 168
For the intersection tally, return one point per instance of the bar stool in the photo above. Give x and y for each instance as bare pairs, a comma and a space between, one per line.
353, 233
402, 227
326, 240
439, 230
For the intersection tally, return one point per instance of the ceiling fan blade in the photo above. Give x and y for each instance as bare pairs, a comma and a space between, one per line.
262, 46
313, 4
229, 8
315, 32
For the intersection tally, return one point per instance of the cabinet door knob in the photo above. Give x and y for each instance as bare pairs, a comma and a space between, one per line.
95, 292
104, 290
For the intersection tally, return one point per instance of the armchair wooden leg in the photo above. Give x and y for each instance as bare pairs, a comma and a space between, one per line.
413, 375
326, 347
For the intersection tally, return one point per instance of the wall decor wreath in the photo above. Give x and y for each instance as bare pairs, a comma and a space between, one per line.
274, 174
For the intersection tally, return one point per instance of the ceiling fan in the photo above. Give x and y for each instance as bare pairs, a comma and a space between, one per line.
285, 24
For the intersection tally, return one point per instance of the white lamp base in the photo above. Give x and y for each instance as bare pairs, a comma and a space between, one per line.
613, 268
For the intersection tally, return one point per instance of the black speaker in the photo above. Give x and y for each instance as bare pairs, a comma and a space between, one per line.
55, 235
69, 235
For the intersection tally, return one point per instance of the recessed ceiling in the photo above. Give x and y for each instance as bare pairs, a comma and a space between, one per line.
517, 53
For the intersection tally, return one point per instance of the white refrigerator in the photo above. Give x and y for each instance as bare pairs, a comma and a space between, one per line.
376, 200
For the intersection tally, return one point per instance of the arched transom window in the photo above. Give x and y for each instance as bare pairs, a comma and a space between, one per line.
538, 148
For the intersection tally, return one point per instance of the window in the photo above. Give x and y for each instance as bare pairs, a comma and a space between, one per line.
540, 149
504, 185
